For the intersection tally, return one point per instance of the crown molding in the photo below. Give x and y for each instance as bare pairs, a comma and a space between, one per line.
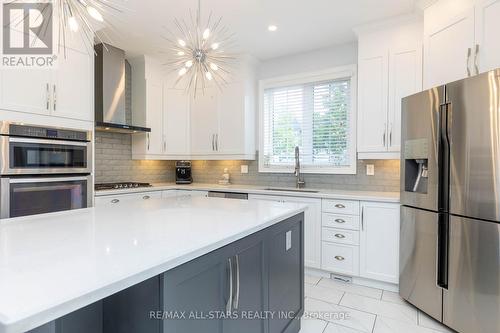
388, 23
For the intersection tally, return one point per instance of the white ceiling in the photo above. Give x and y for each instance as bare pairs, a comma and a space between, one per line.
303, 25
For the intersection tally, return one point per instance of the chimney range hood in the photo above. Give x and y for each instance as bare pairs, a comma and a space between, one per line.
110, 91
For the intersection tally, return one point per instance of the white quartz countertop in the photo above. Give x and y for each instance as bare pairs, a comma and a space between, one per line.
53, 264
252, 189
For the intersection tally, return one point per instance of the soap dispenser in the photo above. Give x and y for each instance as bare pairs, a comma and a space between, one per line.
225, 180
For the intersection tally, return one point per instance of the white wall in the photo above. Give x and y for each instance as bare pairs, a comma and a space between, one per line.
330, 57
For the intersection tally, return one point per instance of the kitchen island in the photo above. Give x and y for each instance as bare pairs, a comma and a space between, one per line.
97, 266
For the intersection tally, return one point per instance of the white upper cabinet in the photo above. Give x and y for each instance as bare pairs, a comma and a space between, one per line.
390, 68
176, 129
216, 125
66, 91
460, 40
204, 122
487, 29
73, 86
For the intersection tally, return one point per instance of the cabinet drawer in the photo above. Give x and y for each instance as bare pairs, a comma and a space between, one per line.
117, 199
341, 236
341, 207
340, 258
340, 221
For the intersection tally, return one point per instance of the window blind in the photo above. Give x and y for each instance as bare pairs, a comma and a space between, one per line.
314, 116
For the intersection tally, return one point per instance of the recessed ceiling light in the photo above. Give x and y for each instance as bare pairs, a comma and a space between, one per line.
272, 28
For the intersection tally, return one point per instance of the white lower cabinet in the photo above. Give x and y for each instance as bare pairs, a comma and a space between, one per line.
340, 258
312, 225
123, 198
379, 243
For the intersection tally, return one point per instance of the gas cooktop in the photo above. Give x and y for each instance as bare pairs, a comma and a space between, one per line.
118, 186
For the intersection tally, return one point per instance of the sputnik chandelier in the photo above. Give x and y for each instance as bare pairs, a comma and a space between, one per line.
198, 52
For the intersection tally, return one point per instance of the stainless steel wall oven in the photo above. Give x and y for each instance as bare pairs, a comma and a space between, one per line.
43, 169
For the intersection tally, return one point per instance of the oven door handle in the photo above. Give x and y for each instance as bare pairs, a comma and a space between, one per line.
50, 142
45, 180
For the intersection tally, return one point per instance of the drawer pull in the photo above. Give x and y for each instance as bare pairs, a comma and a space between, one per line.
146, 197
339, 206
340, 221
340, 236
114, 201
339, 258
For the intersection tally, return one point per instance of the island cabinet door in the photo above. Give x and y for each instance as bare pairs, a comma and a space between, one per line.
195, 295
248, 304
285, 255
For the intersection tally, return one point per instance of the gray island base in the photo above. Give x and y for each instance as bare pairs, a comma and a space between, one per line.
253, 285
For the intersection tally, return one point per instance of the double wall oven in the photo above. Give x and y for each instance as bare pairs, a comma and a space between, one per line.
43, 170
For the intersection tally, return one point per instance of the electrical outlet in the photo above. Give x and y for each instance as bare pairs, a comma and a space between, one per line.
288, 240
370, 170
244, 169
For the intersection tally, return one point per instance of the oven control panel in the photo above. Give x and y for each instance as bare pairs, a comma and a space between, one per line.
48, 133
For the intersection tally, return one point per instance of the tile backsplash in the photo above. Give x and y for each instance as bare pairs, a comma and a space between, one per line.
113, 162
386, 176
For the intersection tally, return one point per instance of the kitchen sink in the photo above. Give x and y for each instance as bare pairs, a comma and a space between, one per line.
291, 190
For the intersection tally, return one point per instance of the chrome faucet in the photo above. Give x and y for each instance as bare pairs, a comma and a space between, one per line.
299, 179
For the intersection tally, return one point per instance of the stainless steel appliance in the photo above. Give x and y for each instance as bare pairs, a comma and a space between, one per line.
43, 169
228, 195
110, 114
450, 195
183, 172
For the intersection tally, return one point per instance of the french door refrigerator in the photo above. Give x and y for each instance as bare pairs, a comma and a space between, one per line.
450, 196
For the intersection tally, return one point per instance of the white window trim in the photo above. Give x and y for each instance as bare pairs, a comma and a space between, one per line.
317, 76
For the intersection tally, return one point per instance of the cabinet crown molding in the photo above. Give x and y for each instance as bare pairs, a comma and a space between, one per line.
388, 23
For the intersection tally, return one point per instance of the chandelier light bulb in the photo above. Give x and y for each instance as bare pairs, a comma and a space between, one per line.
95, 14
215, 46
181, 53
209, 76
73, 24
189, 63
214, 66
206, 33
182, 71
181, 42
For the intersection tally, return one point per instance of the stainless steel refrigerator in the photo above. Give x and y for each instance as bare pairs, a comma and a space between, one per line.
450, 195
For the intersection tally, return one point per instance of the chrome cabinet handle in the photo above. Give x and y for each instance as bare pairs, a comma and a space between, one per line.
340, 236
390, 136
339, 258
213, 142
385, 134
146, 197
476, 66
339, 220
469, 54
340, 206
149, 140
230, 298
216, 142
48, 97
236, 301
115, 201
54, 96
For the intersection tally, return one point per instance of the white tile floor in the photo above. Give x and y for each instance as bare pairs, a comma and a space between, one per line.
336, 307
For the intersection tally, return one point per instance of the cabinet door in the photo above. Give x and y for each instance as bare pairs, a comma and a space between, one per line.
118, 199
379, 244
405, 79
175, 122
231, 115
199, 287
286, 277
312, 226
26, 90
73, 87
373, 87
487, 28
204, 122
250, 280
154, 114
447, 48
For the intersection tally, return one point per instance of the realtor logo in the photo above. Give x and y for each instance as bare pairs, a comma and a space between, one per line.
27, 34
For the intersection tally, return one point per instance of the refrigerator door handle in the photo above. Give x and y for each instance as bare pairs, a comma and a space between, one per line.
442, 250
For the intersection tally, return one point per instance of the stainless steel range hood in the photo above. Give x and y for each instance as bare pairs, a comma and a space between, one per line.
110, 114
